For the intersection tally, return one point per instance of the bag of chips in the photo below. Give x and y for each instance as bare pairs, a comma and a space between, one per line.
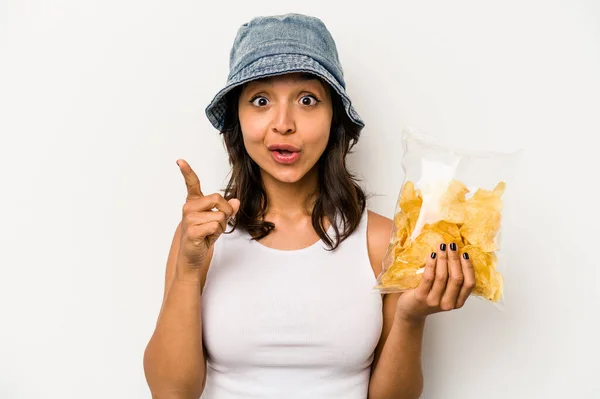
448, 195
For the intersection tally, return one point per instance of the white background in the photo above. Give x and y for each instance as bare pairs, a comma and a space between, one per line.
99, 98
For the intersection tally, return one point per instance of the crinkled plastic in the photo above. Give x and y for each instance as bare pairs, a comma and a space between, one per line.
448, 196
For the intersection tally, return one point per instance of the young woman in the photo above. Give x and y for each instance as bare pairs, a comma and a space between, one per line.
282, 305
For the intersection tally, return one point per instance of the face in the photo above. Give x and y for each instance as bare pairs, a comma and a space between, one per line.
285, 122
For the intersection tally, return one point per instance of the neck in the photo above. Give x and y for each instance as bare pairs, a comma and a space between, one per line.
291, 200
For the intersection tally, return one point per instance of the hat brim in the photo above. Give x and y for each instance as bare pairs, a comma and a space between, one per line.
271, 66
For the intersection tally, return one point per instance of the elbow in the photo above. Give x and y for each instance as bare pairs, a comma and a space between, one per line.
401, 395
414, 391
173, 396
416, 394
163, 387
166, 393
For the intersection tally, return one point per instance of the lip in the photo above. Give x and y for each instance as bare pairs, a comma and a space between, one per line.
283, 146
284, 159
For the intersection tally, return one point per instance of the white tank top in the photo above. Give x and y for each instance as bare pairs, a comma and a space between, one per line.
290, 323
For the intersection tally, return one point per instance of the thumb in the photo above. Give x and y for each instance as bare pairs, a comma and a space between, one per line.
235, 204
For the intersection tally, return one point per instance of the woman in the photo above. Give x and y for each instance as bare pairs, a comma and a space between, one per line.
282, 304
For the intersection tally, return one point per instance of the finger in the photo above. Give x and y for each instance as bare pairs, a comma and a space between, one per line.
191, 180
216, 201
207, 203
441, 277
455, 279
208, 231
424, 287
199, 218
235, 204
469, 280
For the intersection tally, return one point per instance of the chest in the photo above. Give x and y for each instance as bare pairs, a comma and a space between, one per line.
291, 310
291, 237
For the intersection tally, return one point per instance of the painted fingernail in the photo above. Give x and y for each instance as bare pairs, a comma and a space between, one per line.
433, 255
453, 246
466, 255
443, 247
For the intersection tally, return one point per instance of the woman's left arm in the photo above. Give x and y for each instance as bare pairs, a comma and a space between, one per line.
396, 371
446, 283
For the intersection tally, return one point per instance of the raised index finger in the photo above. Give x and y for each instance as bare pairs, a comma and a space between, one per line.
191, 180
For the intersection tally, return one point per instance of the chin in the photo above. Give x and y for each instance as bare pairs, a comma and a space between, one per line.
287, 175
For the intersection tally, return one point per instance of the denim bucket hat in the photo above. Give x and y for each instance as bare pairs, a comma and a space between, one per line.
280, 44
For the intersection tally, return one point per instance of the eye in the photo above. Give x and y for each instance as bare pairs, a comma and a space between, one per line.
306, 100
262, 101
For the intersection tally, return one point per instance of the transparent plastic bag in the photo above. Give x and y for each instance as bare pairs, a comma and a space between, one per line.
448, 195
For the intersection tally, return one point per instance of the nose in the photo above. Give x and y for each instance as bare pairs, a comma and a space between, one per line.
283, 120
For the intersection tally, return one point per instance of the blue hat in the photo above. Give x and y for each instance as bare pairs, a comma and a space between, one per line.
280, 44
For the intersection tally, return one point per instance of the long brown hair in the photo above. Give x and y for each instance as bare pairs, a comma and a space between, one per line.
338, 192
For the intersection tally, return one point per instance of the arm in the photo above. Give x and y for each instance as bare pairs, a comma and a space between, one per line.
446, 283
174, 362
396, 371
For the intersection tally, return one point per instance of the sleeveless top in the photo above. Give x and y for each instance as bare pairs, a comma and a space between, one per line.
290, 323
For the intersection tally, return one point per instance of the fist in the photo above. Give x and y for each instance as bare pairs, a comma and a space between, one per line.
204, 219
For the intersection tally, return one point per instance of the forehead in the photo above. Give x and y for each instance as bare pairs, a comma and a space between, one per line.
289, 78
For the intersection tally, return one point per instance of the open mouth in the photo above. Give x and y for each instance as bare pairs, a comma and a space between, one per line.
285, 157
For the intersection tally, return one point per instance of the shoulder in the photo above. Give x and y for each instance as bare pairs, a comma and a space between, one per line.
378, 224
379, 229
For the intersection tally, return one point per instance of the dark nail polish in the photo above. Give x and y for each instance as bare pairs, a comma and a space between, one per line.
443, 247
466, 256
433, 255
453, 246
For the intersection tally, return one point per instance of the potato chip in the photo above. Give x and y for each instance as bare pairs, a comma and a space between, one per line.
483, 194
439, 232
410, 203
406, 263
452, 203
482, 232
402, 228
483, 216
428, 239
398, 276
415, 255
481, 263
499, 282
492, 291
450, 229
398, 249
488, 282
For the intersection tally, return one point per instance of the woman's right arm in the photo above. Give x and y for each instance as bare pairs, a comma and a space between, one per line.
174, 362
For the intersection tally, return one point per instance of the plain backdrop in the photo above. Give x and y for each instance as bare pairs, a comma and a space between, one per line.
98, 99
